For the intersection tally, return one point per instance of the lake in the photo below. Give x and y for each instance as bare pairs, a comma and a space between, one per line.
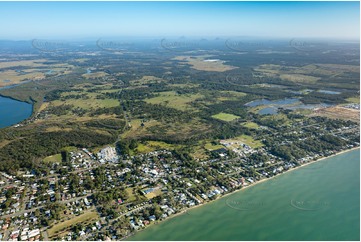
320, 201
13, 111
287, 103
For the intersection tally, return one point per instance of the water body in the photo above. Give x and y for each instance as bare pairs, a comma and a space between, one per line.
287, 103
329, 92
320, 201
13, 111
269, 110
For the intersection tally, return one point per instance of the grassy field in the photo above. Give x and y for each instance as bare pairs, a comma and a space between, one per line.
95, 74
155, 193
230, 95
136, 130
11, 77
144, 148
353, 99
280, 118
146, 80
53, 158
27, 63
305, 74
251, 125
150, 146
89, 216
210, 146
225, 117
173, 100
299, 78
200, 151
130, 191
246, 139
183, 85
29, 70
91, 102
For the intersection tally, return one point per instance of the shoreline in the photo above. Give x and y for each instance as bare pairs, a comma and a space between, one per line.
240, 189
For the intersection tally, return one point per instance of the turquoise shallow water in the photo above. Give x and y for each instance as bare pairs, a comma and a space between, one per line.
320, 201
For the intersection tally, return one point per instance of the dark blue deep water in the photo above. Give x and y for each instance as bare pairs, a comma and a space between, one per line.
13, 111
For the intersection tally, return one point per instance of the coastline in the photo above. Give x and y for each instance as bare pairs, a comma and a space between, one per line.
240, 189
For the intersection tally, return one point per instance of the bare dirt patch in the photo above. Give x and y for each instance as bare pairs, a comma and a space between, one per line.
338, 112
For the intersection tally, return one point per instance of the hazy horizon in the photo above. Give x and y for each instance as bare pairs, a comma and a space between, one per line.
92, 20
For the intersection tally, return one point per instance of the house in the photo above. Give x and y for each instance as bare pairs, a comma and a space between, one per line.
86, 202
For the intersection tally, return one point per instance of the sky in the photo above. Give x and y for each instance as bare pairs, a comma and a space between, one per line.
71, 20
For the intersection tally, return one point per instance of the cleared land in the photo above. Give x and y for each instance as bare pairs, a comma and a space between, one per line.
155, 193
246, 139
305, 74
225, 117
174, 100
29, 70
95, 74
353, 99
150, 146
146, 80
86, 103
89, 216
338, 113
251, 125
11, 77
200, 63
53, 158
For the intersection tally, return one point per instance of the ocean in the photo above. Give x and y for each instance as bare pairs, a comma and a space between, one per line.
320, 201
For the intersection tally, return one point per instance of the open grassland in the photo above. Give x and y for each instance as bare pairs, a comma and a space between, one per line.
201, 150
210, 146
225, 117
53, 158
144, 148
246, 139
251, 125
29, 70
299, 78
230, 95
149, 146
146, 80
131, 194
200, 63
86, 103
11, 77
174, 131
305, 74
353, 99
86, 217
155, 193
22, 63
94, 75
280, 118
174, 100
338, 112
56, 128
137, 131
183, 85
